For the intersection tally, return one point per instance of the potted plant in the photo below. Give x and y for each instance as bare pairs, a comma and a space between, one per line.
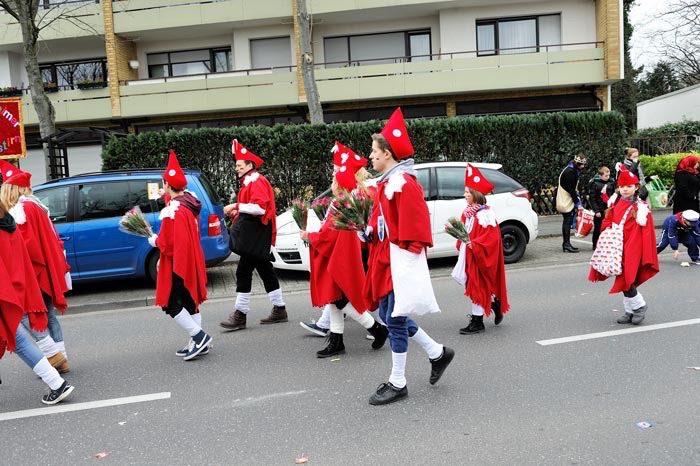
10, 91
90, 84
50, 87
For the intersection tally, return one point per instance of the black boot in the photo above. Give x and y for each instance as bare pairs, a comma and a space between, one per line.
567, 247
335, 346
496, 308
476, 325
380, 334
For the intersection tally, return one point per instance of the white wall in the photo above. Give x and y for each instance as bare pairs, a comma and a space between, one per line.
670, 108
81, 159
331, 30
11, 69
458, 25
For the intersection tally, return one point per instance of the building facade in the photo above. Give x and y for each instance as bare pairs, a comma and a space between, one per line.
144, 65
674, 107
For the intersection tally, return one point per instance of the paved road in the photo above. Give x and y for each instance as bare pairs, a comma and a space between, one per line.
261, 397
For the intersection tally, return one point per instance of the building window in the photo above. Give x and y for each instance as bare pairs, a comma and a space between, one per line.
189, 62
68, 74
274, 52
374, 49
518, 35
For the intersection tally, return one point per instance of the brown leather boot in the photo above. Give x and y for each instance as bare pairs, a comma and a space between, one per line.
278, 314
58, 360
236, 321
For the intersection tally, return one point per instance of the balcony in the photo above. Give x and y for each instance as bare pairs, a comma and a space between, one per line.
462, 73
233, 90
73, 106
152, 15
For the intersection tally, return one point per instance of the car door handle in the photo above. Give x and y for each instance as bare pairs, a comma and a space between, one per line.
64, 238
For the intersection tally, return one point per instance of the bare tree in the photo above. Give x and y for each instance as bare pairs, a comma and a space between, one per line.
313, 100
677, 39
31, 22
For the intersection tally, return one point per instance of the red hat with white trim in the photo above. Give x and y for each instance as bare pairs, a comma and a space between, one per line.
396, 135
14, 176
345, 176
174, 175
475, 180
343, 155
241, 153
626, 178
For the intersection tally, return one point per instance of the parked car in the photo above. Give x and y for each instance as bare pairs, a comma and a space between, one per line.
86, 210
443, 187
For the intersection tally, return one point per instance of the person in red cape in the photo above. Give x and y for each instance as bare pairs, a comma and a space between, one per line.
482, 257
20, 295
252, 235
398, 278
337, 273
640, 261
181, 285
47, 255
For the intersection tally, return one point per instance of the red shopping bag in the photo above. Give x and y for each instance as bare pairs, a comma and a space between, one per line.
584, 222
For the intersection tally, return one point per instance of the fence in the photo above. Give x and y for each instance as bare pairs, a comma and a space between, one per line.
659, 145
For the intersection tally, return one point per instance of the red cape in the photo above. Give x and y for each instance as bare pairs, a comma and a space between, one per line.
19, 290
259, 191
46, 252
485, 267
336, 267
639, 259
181, 253
408, 220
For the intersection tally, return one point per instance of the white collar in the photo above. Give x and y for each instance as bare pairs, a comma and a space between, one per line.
169, 210
250, 178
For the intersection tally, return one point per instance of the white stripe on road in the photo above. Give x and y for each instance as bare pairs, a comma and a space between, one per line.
66, 408
612, 333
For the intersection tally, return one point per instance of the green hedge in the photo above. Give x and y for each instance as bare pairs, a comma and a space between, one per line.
531, 148
664, 166
668, 139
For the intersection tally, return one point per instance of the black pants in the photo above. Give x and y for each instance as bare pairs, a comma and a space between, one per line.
244, 274
179, 298
631, 293
566, 227
597, 224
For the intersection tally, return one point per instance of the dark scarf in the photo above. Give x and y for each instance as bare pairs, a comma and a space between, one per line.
7, 223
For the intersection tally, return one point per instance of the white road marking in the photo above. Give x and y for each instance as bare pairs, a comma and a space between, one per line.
257, 399
68, 407
612, 333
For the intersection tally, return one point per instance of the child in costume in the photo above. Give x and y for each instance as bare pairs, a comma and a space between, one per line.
683, 228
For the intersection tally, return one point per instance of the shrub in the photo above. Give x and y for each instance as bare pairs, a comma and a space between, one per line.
532, 148
663, 166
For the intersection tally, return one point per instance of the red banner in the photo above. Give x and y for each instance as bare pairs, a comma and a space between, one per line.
12, 144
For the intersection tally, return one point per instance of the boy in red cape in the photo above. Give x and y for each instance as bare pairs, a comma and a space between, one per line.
252, 235
337, 273
181, 285
398, 278
481, 259
640, 261
47, 255
19, 295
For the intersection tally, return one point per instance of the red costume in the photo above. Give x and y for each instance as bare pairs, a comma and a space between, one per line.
179, 242
639, 259
45, 250
19, 290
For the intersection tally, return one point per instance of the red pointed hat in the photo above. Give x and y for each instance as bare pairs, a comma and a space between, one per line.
174, 175
345, 176
626, 178
475, 180
396, 135
14, 176
241, 153
343, 155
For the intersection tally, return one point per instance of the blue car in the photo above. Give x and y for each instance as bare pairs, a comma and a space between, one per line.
86, 210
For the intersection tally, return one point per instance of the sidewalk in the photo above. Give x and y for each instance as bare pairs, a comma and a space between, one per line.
122, 294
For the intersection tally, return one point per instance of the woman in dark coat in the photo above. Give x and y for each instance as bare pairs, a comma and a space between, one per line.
687, 184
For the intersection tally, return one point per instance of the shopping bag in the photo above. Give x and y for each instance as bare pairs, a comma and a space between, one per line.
607, 257
584, 222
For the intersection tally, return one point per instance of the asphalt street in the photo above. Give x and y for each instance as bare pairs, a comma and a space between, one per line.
262, 397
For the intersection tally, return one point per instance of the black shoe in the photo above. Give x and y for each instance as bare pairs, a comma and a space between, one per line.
569, 248
58, 395
476, 325
200, 343
386, 393
335, 346
496, 308
440, 364
380, 334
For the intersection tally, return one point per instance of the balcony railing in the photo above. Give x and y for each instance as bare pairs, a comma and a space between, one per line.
58, 3
215, 75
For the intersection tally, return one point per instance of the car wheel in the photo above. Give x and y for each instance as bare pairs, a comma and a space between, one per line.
514, 243
152, 265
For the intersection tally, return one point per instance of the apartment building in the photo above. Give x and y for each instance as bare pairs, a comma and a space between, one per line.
149, 65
